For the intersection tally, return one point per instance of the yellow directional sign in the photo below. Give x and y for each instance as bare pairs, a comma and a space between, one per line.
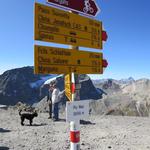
50, 60
58, 26
68, 86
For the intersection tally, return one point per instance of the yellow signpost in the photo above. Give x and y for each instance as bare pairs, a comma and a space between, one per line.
68, 86
58, 26
50, 60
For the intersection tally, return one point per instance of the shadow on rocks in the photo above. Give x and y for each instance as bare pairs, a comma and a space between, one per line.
62, 120
59, 120
86, 122
4, 148
37, 125
4, 130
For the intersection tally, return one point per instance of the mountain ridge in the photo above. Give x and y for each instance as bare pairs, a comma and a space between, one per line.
22, 85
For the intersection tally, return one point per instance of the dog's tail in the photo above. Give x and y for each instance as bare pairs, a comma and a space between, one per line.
20, 112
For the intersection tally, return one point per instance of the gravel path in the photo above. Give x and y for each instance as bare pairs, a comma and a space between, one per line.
97, 133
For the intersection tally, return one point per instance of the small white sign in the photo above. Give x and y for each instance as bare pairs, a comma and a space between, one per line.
77, 110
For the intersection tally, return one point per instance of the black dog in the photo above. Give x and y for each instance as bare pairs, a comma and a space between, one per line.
27, 115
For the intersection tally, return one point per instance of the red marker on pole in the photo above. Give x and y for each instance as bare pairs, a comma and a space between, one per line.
104, 63
104, 36
74, 136
73, 86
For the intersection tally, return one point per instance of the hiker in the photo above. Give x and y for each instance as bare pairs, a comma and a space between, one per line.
55, 101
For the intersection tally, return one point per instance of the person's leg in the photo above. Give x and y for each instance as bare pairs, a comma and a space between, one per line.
50, 110
56, 111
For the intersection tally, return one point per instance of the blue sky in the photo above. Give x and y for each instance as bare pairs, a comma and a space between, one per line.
127, 49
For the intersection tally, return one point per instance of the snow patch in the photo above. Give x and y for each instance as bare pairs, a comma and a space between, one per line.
3, 106
52, 79
42, 80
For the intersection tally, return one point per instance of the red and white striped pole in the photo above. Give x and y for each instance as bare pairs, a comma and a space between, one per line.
74, 125
74, 135
73, 86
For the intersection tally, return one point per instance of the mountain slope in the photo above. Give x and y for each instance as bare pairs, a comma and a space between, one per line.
131, 98
23, 85
19, 85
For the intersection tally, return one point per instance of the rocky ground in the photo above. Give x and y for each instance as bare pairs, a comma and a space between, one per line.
97, 133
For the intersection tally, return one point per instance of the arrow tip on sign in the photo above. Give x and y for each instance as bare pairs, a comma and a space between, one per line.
98, 8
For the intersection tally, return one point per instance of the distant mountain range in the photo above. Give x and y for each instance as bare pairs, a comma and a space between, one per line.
23, 85
117, 97
122, 81
124, 97
20, 85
